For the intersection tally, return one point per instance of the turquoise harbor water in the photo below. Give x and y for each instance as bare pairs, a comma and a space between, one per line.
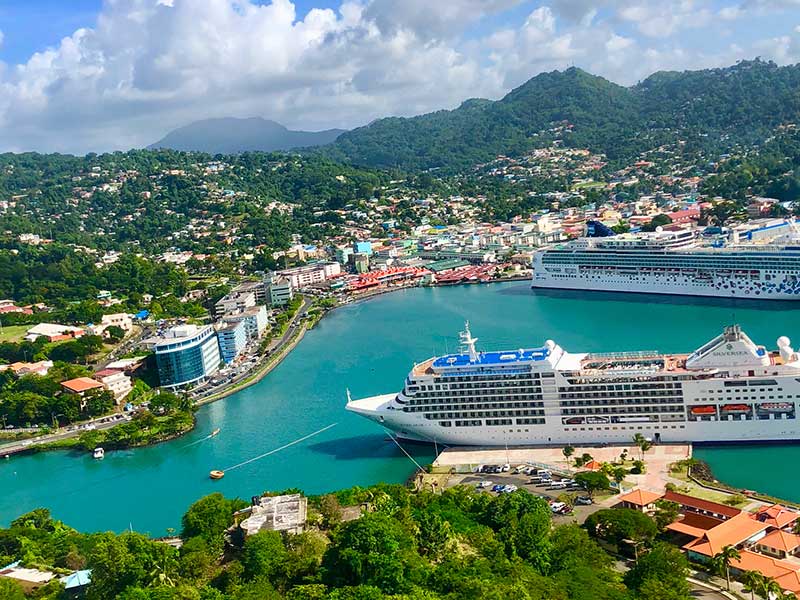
369, 348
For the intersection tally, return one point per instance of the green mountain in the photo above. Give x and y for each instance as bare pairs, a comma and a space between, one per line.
232, 136
743, 102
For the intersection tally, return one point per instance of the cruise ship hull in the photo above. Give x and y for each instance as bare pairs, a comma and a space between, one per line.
554, 433
678, 287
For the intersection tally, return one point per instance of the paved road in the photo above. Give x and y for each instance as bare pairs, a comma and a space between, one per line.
580, 513
706, 594
99, 424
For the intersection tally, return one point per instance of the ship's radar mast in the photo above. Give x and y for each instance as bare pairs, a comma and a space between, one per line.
469, 342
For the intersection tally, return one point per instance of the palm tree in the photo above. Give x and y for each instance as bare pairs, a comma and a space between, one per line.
752, 580
567, 451
722, 562
770, 588
640, 441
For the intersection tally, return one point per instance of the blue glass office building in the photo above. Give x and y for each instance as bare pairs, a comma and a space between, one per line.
186, 355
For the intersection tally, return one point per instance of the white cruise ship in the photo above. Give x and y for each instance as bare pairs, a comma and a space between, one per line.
728, 390
670, 262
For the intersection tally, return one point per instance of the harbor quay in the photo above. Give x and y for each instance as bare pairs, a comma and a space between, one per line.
657, 459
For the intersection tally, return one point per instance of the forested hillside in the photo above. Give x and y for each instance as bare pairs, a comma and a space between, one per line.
742, 103
458, 545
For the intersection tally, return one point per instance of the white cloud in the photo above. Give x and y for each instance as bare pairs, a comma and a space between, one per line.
657, 19
148, 66
432, 18
730, 13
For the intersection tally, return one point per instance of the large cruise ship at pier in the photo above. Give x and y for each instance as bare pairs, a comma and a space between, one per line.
730, 389
671, 262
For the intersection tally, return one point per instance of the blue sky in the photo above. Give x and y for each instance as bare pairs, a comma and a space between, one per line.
96, 75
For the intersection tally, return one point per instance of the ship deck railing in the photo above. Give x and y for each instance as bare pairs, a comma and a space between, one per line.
623, 355
484, 372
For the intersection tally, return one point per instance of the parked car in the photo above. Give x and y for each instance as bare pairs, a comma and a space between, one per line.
507, 489
584, 500
483, 485
505, 468
497, 487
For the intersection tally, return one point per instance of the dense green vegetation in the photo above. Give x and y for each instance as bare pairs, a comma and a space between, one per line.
460, 544
772, 170
717, 107
70, 281
142, 198
34, 399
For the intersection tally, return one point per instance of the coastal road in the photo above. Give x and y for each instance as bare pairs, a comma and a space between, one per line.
64, 433
206, 390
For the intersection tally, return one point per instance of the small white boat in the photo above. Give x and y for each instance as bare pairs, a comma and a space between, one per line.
98, 453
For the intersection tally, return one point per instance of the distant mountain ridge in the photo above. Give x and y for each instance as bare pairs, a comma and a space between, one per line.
741, 103
232, 136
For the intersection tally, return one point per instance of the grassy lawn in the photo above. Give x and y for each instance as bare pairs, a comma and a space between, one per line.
588, 185
690, 487
13, 333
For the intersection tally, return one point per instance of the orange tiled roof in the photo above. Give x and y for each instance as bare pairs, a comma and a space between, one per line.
640, 497
700, 504
685, 528
784, 572
694, 524
732, 532
776, 515
780, 540
81, 384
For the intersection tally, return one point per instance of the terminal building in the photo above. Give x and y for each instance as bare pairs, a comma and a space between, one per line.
186, 355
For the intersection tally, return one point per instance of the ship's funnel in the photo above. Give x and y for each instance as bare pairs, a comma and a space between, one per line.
785, 348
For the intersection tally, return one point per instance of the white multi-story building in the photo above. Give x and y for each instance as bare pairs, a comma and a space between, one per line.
115, 382
280, 291
255, 320
235, 302
122, 320
301, 277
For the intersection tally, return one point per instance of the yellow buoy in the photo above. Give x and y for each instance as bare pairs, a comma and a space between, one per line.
217, 474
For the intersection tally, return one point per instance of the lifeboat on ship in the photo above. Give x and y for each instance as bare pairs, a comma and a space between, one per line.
776, 407
733, 409
704, 410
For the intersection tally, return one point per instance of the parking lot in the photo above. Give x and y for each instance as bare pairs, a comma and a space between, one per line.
548, 489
